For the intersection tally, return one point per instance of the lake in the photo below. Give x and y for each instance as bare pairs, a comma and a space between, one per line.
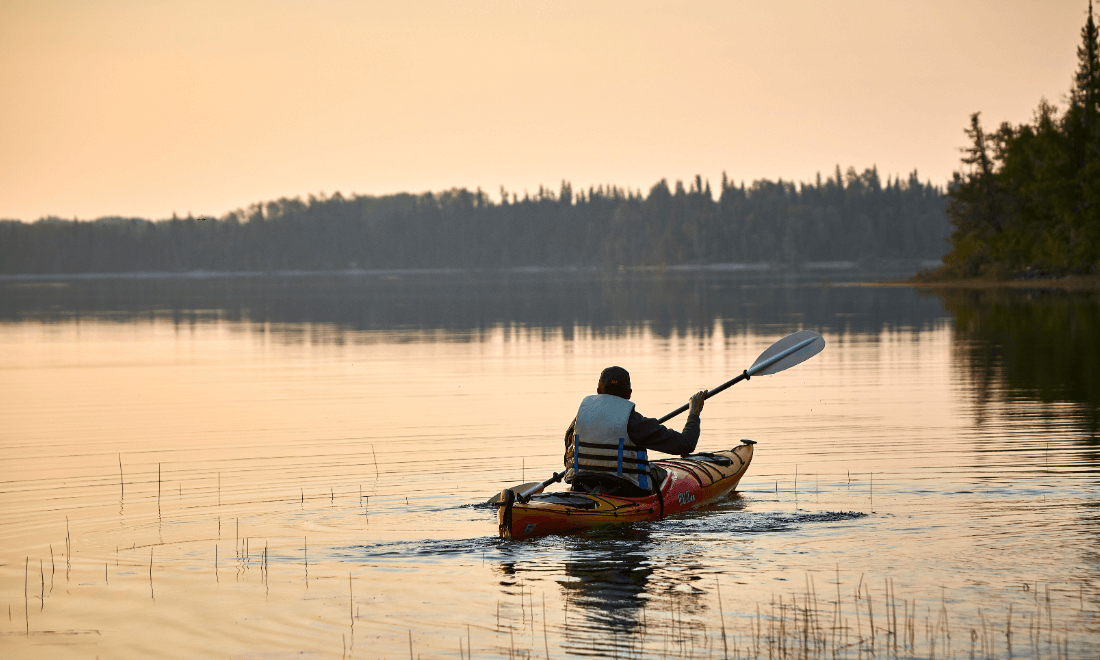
294, 465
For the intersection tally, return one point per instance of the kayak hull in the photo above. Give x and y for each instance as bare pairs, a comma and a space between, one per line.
691, 482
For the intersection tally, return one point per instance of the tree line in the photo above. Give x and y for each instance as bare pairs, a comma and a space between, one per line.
1027, 200
849, 216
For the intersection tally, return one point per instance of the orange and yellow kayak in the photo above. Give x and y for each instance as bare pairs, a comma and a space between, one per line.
689, 482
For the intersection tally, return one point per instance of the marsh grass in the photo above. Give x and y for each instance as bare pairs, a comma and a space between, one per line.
855, 621
861, 624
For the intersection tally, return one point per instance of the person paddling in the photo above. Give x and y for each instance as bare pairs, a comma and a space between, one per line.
607, 442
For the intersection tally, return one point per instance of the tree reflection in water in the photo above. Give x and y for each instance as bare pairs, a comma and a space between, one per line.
606, 302
1038, 345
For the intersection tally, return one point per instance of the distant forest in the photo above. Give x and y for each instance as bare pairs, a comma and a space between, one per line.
850, 216
1027, 202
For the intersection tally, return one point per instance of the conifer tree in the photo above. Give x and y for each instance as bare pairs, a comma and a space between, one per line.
1028, 198
1082, 120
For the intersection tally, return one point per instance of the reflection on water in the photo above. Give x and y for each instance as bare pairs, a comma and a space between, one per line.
281, 466
623, 586
664, 302
606, 578
1038, 345
604, 584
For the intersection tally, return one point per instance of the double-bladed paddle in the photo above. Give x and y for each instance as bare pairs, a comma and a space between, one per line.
793, 349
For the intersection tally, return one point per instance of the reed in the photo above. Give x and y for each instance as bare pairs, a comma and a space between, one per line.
121, 483
871, 619
891, 612
68, 550
1050, 616
859, 626
545, 637
151, 595
722, 618
795, 629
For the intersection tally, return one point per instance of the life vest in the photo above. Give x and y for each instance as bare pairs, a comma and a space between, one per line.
601, 445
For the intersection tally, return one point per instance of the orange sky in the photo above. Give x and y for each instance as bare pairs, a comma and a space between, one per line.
149, 107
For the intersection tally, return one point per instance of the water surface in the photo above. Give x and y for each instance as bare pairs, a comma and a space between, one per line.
291, 466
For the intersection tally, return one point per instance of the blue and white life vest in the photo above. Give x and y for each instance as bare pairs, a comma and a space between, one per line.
601, 445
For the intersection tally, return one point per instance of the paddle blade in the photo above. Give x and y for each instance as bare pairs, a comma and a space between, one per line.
799, 356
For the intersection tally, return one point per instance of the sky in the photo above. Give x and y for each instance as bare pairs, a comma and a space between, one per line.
151, 107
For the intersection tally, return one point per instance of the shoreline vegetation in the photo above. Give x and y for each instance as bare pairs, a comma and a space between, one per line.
850, 216
1067, 283
807, 268
1026, 204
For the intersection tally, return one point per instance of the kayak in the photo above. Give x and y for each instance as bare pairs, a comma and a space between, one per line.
687, 483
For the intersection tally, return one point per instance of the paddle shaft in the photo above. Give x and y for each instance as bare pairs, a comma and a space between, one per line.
744, 375
538, 488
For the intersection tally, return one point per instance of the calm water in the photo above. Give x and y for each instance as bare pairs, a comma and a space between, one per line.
269, 467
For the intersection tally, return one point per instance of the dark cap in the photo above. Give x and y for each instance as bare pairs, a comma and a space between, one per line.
615, 380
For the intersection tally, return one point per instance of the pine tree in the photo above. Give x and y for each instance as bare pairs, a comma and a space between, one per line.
1083, 128
1083, 117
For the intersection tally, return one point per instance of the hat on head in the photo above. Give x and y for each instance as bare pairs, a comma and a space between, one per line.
615, 380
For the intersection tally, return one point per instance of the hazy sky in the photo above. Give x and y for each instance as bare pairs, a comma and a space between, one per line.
149, 107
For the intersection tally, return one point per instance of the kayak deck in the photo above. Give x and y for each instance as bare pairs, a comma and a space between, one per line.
690, 481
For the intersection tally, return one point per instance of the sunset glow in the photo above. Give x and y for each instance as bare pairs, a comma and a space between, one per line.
149, 108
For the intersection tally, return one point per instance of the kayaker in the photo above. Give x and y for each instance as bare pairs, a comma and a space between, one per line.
607, 442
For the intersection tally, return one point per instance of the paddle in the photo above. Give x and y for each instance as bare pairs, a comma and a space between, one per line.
793, 349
